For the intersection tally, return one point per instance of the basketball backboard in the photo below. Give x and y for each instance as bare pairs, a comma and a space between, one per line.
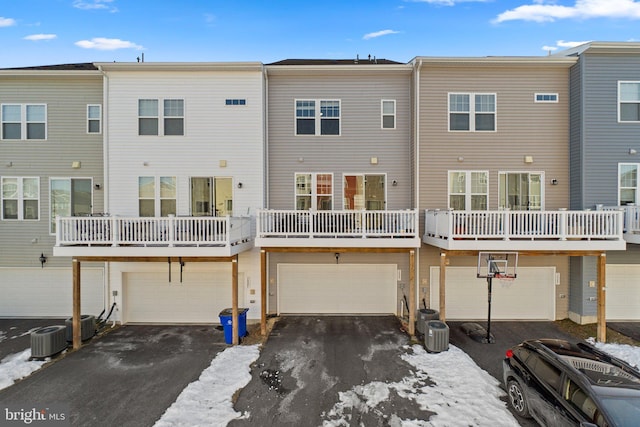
497, 264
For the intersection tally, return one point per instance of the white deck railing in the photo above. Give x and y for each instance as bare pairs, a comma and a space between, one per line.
328, 224
533, 225
631, 217
156, 231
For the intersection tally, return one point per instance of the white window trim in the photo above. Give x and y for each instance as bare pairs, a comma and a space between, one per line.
637, 187
472, 111
160, 117
364, 175
467, 192
21, 198
620, 83
317, 117
545, 101
99, 119
382, 115
64, 178
314, 186
157, 198
542, 184
24, 122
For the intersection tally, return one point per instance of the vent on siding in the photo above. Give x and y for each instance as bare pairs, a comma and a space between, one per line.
47, 341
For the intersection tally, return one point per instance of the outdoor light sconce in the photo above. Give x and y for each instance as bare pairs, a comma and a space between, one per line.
394, 183
239, 185
42, 259
554, 181
632, 151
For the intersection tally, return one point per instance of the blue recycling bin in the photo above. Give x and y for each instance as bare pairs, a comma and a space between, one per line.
226, 320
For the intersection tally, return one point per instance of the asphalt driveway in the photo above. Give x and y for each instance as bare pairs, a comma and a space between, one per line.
127, 377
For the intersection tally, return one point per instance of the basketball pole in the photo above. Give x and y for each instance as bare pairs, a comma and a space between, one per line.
489, 286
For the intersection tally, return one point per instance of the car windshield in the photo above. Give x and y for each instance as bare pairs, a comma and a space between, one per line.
623, 411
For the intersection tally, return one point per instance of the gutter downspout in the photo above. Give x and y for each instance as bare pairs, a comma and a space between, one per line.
417, 171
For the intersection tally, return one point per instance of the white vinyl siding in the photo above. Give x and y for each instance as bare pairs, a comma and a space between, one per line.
24, 121
94, 118
472, 112
20, 198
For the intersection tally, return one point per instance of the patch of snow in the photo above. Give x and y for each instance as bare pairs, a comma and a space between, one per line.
17, 366
628, 353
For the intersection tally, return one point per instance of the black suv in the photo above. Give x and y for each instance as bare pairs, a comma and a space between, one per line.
559, 383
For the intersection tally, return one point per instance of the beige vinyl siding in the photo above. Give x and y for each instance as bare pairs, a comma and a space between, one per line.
67, 141
523, 128
213, 132
361, 138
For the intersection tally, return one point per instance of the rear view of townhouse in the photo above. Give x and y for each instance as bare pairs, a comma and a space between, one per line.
321, 187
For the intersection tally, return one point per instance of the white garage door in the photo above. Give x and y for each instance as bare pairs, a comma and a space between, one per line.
623, 292
151, 298
531, 296
337, 288
48, 292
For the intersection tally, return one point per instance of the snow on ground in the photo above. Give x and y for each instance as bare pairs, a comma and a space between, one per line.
449, 384
17, 366
209, 398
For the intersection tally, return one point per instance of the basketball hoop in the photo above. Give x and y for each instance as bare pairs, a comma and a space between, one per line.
504, 277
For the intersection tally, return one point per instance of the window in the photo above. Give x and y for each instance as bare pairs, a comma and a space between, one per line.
364, 192
209, 193
388, 114
468, 190
521, 191
313, 121
314, 191
235, 102
94, 118
629, 101
20, 198
627, 183
70, 197
172, 117
156, 195
472, 112
24, 121
546, 97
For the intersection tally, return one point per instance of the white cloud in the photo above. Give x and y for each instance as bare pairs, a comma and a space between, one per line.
549, 48
101, 43
38, 37
379, 34
94, 4
544, 11
7, 22
562, 44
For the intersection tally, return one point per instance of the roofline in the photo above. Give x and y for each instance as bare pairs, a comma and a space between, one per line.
179, 66
565, 61
50, 73
602, 47
283, 69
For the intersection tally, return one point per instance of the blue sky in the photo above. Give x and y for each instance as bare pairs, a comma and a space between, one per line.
43, 32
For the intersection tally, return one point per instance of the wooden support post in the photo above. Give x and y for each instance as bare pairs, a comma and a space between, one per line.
443, 280
601, 334
77, 337
412, 293
263, 292
234, 300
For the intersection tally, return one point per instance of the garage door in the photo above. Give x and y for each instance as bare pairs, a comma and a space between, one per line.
48, 292
529, 297
151, 298
337, 288
623, 292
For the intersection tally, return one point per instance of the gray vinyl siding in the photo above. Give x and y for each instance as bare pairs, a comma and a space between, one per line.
67, 141
361, 137
575, 144
605, 142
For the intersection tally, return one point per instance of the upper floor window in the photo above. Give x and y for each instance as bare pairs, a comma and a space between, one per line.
170, 122
521, 191
24, 121
388, 114
628, 183
70, 197
235, 102
468, 190
629, 101
314, 191
546, 97
94, 118
157, 195
20, 198
472, 112
311, 120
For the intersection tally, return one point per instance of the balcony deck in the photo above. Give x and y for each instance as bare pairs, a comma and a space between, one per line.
338, 229
104, 236
507, 230
631, 222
